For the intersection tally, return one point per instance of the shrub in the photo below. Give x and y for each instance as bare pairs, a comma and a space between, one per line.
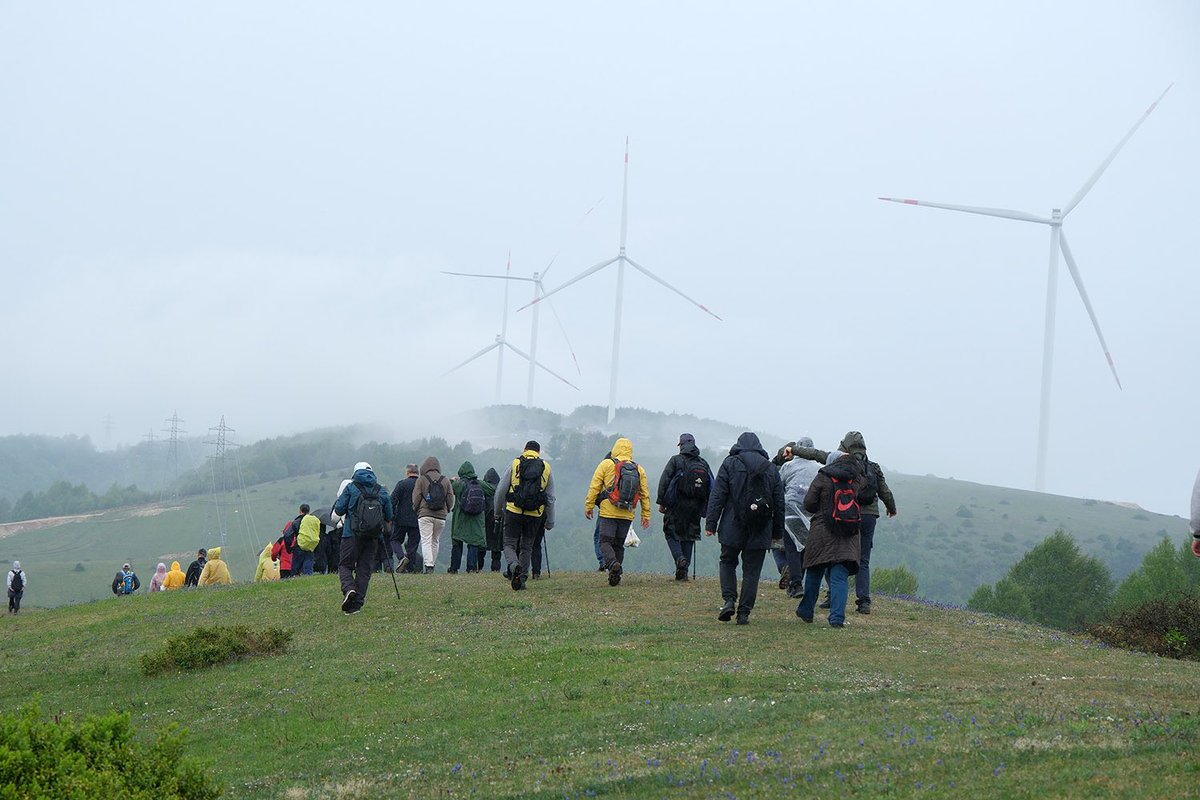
1168, 626
96, 758
894, 580
211, 646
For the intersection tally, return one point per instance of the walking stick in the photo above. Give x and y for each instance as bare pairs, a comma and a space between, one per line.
390, 556
546, 550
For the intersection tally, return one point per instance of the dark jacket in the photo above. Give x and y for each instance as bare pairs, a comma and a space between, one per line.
729, 494
854, 444
402, 503
193, 574
823, 548
348, 499
118, 584
492, 529
682, 520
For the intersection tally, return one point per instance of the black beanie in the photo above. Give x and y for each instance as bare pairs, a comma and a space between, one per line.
532, 445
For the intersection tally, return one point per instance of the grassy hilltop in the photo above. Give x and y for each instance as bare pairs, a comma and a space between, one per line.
574, 689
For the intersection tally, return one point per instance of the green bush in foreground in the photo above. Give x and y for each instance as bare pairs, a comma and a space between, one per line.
96, 758
210, 646
895, 580
1169, 626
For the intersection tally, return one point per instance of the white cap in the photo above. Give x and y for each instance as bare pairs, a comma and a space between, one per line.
361, 465
17, 565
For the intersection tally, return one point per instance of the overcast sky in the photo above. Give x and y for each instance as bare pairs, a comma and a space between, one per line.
224, 208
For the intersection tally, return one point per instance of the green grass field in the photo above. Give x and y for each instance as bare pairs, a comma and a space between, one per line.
574, 689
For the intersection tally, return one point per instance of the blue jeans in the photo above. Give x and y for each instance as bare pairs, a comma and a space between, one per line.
862, 581
302, 562
680, 548
839, 588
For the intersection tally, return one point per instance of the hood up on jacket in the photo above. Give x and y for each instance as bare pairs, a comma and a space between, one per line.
363, 477
214, 554
492, 477
853, 442
175, 567
431, 464
467, 472
842, 466
748, 443
161, 569
622, 449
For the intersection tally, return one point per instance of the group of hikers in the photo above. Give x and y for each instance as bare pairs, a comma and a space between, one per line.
207, 570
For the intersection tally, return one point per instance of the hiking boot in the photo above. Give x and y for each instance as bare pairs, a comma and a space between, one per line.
681, 568
402, 564
785, 576
537, 575
825, 602
865, 607
614, 573
517, 583
428, 570
602, 568
348, 600
743, 618
726, 612
452, 571
354, 610
837, 624
803, 618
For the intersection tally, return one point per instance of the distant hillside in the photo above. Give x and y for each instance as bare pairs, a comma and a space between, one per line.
461, 687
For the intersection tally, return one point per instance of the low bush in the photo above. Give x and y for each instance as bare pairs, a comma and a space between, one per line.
211, 646
96, 758
894, 580
1168, 626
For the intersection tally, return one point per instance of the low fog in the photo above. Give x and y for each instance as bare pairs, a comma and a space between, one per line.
244, 210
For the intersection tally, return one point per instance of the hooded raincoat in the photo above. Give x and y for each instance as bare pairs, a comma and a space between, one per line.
729, 492
352, 491
603, 479
797, 475
823, 548
431, 472
267, 569
175, 577
215, 571
470, 528
160, 575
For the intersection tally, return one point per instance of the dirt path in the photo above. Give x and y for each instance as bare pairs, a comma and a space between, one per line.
12, 528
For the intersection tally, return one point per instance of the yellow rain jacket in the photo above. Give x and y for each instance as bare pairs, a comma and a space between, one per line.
603, 479
174, 579
268, 568
215, 570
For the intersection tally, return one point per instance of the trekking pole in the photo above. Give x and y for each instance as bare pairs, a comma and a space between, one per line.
546, 550
388, 548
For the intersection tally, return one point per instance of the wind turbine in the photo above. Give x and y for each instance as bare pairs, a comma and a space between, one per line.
502, 340
539, 290
1058, 241
620, 259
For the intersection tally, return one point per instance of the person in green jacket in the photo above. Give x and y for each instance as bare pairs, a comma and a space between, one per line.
472, 499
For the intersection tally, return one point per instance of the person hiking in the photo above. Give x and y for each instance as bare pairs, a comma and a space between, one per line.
192, 578
683, 491
745, 512
126, 581
156, 580
216, 571
175, 577
778, 553
493, 528
876, 489
367, 515
797, 475
1194, 526
305, 540
406, 535
472, 502
17, 581
619, 484
832, 549
268, 568
285, 546
432, 499
525, 501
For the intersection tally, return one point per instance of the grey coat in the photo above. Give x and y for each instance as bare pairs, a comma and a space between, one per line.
824, 548
885, 493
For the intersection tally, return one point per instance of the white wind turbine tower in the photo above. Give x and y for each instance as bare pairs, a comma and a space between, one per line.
502, 341
539, 290
620, 259
1058, 241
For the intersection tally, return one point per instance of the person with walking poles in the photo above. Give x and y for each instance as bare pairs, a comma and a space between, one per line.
619, 483
367, 511
682, 499
745, 511
525, 501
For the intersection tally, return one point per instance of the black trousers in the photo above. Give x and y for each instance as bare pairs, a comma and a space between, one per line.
520, 531
358, 561
752, 561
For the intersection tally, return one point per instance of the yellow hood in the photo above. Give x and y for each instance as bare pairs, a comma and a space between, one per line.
623, 450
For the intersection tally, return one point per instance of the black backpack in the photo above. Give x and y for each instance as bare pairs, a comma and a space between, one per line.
694, 481
754, 509
474, 500
870, 491
435, 494
367, 517
527, 494
627, 482
18, 582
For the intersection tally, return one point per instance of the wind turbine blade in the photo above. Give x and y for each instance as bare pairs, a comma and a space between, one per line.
576, 279
1100, 171
485, 350
566, 338
625, 198
482, 275
1070, 259
579, 223
540, 365
1005, 213
659, 280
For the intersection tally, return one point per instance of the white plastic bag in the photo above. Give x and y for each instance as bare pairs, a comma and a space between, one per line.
632, 539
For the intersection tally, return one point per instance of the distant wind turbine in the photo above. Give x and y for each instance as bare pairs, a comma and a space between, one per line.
1058, 241
620, 259
502, 339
